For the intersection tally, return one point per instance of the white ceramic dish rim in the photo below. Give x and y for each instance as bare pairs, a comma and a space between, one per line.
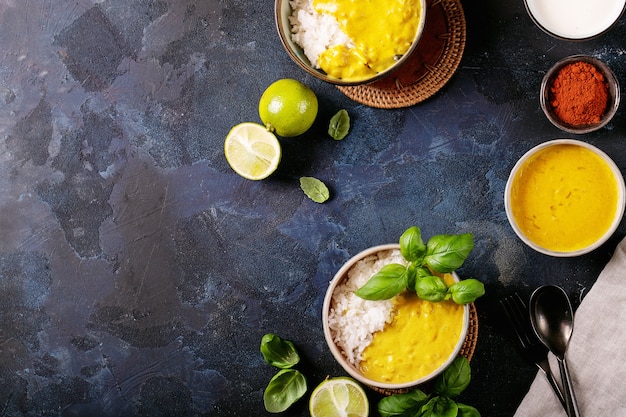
570, 38
614, 90
620, 202
336, 352
282, 10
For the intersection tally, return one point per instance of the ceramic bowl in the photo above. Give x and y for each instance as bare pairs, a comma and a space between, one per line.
613, 94
282, 11
575, 20
336, 351
559, 207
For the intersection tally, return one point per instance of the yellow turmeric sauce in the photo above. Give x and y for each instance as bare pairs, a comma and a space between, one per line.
564, 198
381, 31
421, 337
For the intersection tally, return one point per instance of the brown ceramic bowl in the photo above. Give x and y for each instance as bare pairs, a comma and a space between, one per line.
283, 11
337, 352
613, 94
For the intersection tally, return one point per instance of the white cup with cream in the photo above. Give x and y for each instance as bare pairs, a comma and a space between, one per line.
575, 19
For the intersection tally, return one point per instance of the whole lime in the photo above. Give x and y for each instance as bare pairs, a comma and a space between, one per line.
288, 107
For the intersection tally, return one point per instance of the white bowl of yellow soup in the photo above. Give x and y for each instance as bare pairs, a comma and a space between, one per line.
346, 45
393, 344
564, 198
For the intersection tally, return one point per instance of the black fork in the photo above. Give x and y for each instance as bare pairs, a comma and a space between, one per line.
530, 346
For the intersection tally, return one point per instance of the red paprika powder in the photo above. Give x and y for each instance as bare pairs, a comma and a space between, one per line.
579, 94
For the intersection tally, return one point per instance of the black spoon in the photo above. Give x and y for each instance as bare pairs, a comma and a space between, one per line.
552, 318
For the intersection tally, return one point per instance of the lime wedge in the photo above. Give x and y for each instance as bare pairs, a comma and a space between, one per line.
339, 397
252, 151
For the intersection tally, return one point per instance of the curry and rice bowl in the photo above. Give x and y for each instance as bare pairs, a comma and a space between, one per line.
351, 43
390, 342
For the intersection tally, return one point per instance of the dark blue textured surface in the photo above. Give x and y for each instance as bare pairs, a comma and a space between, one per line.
138, 273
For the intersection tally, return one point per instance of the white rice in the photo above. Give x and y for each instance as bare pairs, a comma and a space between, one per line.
315, 32
353, 320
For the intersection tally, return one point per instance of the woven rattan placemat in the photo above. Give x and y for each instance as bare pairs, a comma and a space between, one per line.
430, 66
467, 350
471, 338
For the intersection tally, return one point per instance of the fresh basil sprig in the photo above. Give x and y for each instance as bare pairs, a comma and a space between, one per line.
416, 403
441, 254
288, 385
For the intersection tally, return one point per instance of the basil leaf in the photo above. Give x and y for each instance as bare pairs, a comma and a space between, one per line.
284, 389
431, 288
279, 352
412, 273
315, 189
445, 253
339, 125
455, 378
400, 405
422, 272
415, 274
467, 411
412, 246
467, 291
389, 281
440, 407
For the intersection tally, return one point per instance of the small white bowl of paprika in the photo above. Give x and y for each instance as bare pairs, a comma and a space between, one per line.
579, 94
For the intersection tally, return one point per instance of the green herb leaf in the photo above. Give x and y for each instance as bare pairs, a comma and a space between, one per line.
467, 411
412, 271
284, 389
440, 407
279, 352
445, 253
315, 189
339, 125
467, 291
422, 272
431, 288
412, 246
417, 404
455, 378
386, 283
400, 405
415, 273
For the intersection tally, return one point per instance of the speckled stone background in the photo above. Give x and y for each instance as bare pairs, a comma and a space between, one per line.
138, 272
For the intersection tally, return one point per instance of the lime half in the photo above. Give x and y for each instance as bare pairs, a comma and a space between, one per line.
252, 151
339, 397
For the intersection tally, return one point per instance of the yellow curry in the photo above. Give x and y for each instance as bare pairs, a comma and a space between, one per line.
564, 198
421, 337
382, 30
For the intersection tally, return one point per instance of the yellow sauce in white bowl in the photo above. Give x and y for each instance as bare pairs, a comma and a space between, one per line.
419, 340
565, 197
